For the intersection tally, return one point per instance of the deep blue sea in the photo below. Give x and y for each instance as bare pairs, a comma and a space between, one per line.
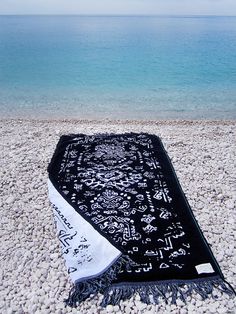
118, 67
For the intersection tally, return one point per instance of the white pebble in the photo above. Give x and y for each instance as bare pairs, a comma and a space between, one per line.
116, 308
10, 200
179, 302
109, 308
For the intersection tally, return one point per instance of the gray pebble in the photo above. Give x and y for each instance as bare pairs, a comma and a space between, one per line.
10, 200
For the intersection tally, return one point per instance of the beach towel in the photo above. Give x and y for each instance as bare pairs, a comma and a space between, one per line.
124, 223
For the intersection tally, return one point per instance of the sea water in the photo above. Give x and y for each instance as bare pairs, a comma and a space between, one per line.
118, 67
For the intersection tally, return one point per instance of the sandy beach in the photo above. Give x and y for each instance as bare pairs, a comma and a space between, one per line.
32, 272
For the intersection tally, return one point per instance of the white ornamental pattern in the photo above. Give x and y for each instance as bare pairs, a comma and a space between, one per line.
117, 183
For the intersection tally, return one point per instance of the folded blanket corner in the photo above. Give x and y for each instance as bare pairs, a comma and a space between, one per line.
99, 284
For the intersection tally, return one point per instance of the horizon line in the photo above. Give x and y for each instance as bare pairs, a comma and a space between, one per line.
118, 15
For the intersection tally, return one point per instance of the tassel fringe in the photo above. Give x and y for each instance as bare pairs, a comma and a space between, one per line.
151, 293
82, 290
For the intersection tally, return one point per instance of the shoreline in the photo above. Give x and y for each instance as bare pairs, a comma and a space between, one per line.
124, 121
203, 155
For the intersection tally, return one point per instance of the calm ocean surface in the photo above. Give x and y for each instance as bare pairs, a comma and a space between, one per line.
117, 67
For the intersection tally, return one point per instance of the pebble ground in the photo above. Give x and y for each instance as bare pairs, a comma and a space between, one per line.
33, 277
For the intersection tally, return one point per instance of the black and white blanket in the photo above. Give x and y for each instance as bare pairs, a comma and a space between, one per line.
124, 223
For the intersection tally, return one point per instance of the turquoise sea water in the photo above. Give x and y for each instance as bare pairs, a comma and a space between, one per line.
117, 67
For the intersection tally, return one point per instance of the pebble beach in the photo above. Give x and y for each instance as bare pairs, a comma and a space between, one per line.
33, 276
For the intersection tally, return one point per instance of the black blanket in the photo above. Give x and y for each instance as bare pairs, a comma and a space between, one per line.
125, 187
